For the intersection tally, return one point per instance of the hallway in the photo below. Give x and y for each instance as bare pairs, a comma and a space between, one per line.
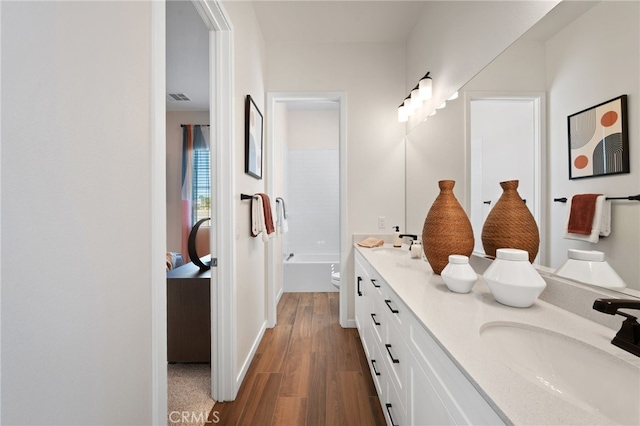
308, 370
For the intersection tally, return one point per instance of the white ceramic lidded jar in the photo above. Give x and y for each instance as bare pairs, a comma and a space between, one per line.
458, 275
513, 281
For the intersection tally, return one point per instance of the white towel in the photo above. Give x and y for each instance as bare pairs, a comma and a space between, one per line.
258, 225
601, 222
281, 220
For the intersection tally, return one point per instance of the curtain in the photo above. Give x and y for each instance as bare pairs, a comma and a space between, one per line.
194, 137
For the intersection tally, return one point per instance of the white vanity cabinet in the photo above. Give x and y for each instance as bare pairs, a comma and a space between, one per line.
417, 382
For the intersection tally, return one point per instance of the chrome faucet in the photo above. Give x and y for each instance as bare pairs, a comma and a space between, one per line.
628, 338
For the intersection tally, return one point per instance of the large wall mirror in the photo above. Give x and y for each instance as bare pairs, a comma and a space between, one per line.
579, 55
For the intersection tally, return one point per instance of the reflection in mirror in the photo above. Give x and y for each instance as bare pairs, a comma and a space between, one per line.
569, 58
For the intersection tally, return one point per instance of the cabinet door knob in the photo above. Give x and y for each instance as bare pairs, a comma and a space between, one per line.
388, 302
374, 283
388, 406
359, 291
373, 317
373, 365
394, 360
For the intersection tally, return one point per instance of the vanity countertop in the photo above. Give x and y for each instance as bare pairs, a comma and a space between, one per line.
454, 320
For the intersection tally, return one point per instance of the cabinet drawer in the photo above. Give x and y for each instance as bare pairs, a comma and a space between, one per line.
378, 320
397, 310
378, 369
394, 412
395, 355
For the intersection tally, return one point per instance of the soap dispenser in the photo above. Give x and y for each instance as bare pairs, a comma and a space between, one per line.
397, 241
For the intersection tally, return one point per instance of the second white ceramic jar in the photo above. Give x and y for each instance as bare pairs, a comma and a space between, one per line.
513, 281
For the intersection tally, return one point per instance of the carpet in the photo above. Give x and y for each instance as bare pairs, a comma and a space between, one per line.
189, 394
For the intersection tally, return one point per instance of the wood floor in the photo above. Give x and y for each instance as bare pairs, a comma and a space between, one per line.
308, 370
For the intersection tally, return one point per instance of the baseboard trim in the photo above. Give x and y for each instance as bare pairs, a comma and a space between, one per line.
252, 353
351, 323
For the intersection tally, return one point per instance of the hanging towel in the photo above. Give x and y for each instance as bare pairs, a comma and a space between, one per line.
281, 216
284, 207
588, 218
261, 218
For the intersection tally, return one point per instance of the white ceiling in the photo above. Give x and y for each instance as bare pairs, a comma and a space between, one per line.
336, 21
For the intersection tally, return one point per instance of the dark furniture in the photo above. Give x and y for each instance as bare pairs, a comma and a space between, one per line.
189, 314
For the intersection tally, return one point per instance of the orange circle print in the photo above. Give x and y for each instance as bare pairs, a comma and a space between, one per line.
581, 162
609, 118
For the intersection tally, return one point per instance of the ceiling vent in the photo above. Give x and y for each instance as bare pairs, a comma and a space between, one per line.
178, 97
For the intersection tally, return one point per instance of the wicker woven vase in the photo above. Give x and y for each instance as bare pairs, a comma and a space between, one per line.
446, 229
510, 224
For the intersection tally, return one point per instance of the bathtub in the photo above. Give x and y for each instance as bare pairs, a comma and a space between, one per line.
309, 272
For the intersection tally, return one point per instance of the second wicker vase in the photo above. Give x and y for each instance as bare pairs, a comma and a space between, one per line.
510, 224
446, 229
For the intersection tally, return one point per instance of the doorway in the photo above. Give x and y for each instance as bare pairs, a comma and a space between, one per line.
330, 104
505, 137
223, 365
188, 172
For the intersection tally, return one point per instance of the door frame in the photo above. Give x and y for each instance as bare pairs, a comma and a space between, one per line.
540, 153
272, 257
223, 294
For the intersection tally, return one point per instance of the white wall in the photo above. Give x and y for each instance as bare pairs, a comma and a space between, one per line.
372, 75
249, 60
591, 61
76, 205
174, 172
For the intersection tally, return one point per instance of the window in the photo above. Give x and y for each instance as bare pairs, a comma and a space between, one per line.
201, 189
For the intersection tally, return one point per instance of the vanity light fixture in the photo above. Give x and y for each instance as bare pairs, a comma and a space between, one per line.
426, 87
408, 106
420, 93
403, 113
416, 100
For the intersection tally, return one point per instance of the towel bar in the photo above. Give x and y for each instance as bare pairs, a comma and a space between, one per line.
629, 197
247, 197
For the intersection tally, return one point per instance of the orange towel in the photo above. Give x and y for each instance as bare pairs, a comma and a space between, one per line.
583, 209
268, 217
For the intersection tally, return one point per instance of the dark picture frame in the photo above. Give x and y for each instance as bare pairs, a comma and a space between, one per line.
599, 140
253, 139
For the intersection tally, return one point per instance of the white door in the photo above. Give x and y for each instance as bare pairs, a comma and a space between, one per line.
504, 146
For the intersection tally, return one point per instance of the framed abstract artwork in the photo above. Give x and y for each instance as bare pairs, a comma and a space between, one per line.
253, 139
598, 140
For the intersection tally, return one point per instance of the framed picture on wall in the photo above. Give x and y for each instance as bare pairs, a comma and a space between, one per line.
598, 140
253, 139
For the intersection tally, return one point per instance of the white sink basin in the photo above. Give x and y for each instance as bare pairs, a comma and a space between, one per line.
393, 251
581, 374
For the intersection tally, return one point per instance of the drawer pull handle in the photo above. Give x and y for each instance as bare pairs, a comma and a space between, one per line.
394, 360
373, 317
374, 283
359, 291
388, 302
375, 370
389, 413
